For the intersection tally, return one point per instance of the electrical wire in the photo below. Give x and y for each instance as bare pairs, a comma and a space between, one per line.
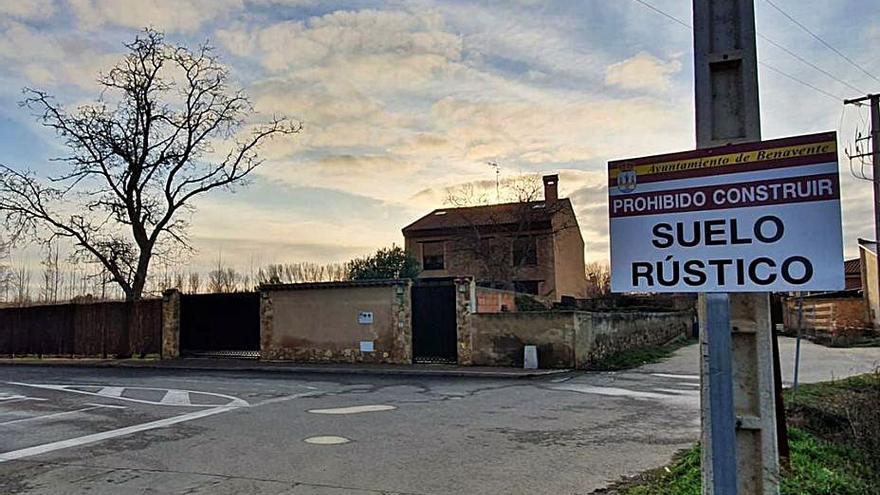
820, 40
765, 64
811, 64
836, 98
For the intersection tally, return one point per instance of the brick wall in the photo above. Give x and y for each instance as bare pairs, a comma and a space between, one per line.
838, 317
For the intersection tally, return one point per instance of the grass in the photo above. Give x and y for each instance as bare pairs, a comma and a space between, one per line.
818, 467
832, 396
637, 357
833, 437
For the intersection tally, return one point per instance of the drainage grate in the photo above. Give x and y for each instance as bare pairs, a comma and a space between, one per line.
224, 354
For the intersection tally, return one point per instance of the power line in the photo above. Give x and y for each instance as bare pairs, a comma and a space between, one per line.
820, 40
811, 64
765, 64
836, 98
664, 14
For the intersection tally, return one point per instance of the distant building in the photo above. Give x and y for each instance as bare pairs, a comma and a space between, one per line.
531, 246
852, 272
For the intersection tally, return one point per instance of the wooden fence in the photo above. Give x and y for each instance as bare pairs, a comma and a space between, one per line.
73, 330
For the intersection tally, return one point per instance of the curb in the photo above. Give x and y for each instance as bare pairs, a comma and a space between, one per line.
452, 373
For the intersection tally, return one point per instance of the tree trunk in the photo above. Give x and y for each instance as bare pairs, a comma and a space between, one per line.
131, 298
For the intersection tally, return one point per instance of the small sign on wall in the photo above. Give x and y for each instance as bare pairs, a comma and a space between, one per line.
365, 317
366, 346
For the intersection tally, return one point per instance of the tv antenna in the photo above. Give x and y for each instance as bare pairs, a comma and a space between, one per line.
497, 168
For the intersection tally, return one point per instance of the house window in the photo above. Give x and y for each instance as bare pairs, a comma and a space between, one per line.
526, 286
525, 251
432, 256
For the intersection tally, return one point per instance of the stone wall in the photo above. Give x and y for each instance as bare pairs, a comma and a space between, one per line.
327, 322
569, 339
171, 324
600, 335
500, 338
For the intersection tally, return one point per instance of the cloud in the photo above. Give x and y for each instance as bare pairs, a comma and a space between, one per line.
642, 72
47, 58
165, 15
30, 9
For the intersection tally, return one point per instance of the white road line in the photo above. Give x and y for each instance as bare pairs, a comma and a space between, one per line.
111, 391
97, 437
176, 398
327, 440
611, 391
681, 377
233, 401
107, 406
353, 409
693, 393
285, 398
46, 416
17, 398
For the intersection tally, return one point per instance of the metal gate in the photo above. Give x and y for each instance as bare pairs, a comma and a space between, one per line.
435, 330
220, 325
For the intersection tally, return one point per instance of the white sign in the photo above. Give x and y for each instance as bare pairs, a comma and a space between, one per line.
754, 217
365, 317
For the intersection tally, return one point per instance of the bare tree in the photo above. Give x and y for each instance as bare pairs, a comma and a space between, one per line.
290, 273
21, 285
51, 276
598, 279
5, 271
501, 241
138, 157
194, 281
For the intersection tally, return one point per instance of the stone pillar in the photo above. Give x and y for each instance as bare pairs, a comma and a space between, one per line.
401, 308
464, 305
267, 325
171, 324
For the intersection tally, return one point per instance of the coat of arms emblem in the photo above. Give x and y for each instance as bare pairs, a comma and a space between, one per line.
626, 179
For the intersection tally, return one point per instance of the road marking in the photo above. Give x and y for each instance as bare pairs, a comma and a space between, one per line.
681, 377
353, 409
176, 398
97, 437
108, 406
691, 393
285, 398
612, 391
16, 398
46, 416
175, 401
111, 391
327, 440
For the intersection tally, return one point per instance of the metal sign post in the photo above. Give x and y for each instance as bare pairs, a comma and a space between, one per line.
721, 394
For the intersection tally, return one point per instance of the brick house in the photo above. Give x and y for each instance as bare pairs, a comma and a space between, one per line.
530, 246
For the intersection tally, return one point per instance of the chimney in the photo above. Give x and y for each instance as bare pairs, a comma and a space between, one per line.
551, 191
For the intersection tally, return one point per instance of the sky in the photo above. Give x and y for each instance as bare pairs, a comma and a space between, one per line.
402, 100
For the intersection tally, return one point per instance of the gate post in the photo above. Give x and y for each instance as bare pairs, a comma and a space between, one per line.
464, 305
171, 324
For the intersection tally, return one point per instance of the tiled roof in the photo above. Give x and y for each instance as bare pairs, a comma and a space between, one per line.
853, 266
500, 214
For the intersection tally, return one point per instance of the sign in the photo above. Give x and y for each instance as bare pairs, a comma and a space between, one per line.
753, 217
365, 317
367, 346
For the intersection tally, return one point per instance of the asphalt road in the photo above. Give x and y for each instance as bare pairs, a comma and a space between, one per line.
66, 430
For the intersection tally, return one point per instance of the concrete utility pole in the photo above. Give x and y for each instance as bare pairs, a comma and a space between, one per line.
737, 390
875, 164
